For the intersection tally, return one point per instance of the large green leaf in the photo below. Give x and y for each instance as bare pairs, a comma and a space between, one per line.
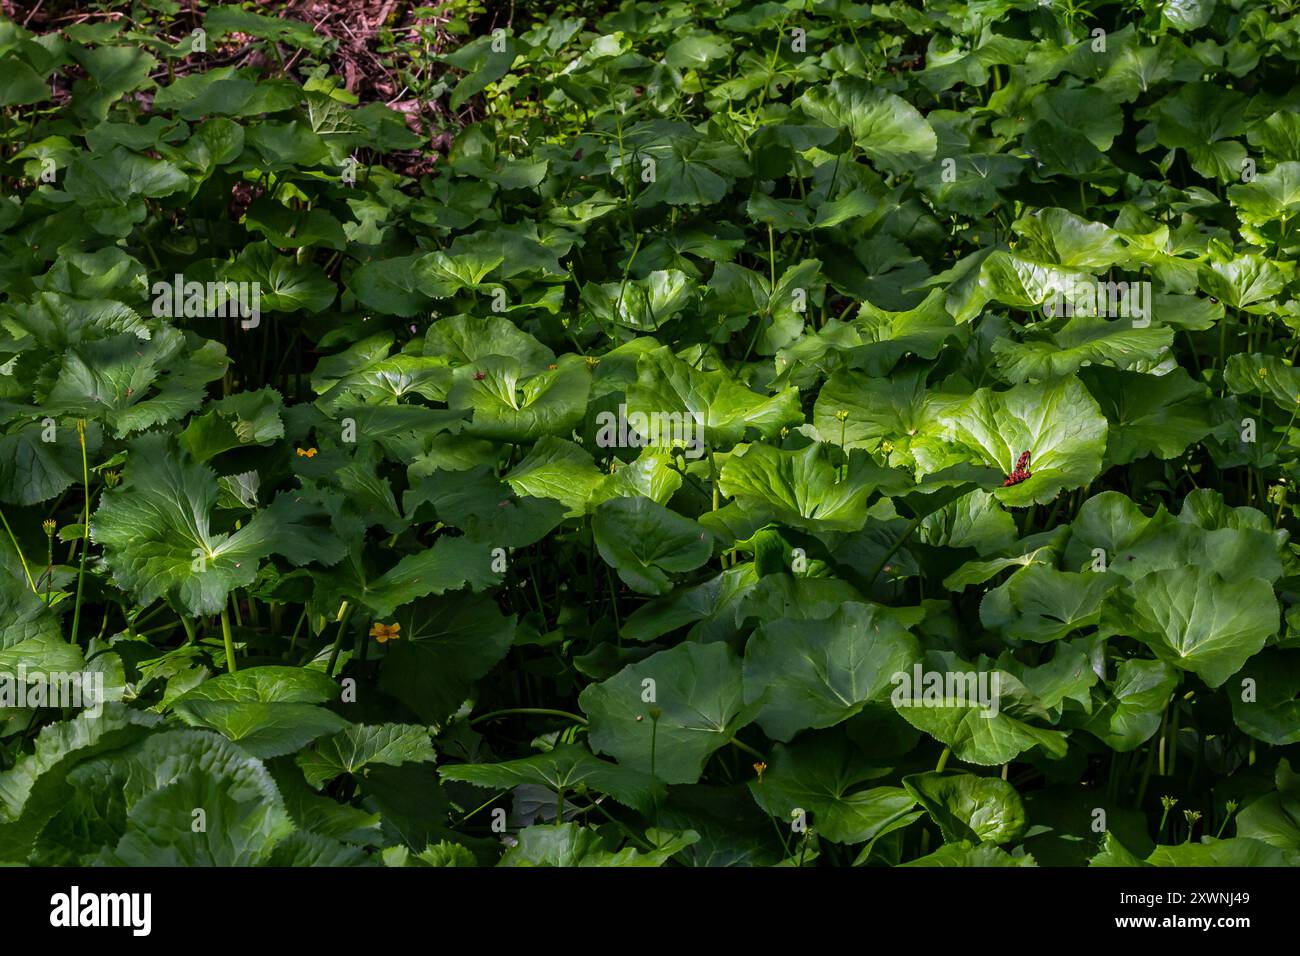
965, 855
644, 540
508, 406
1157, 415
157, 532
642, 305
36, 787
1082, 340
569, 844
803, 489
1195, 620
1057, 422
854, 410
807, 673
1263, 695
1275, 817
1131, 713
444, 646
268, 711
133, 385
450, 564
665, 385
984, 722
464, 339
566, 769
1041, 604
697, 692
824, 776
147, 795
558, 470
969, 808
1239, 851
360, 746
884, 126
31, 637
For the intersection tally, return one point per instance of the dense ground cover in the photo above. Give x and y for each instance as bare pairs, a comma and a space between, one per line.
800, 434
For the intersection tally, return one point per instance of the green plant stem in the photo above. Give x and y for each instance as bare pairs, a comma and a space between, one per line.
654, 739
542, 711
85, 530
1223, 826
1223, 351
613, 599
943, 760
338, 639
907, 533
231, 666
19, 551
741, 745
644, 844
1146, 774
654, 742
491, 800
713, 479
1290, 422
48, 576
293, 638
1173, 739
1164, 731
780, 833
771, 264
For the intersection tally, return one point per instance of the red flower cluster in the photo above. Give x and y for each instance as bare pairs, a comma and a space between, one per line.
1020, 473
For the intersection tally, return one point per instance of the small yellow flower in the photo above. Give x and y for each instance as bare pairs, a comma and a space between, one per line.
306, 452
385, 632
49, 524
842, 415
1263, 373
759, 767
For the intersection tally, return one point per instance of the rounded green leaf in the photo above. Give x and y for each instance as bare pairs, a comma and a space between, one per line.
823, 775
816, 673
697, 692
1057, 422
643, 541
1196, 620
970, 808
